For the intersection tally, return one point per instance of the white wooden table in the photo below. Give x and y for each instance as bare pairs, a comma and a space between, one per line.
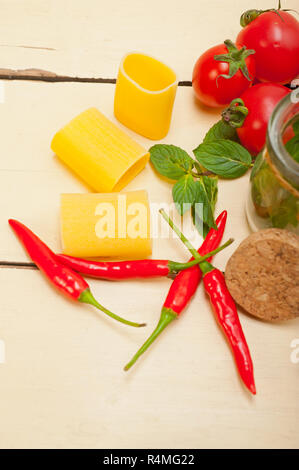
62, 383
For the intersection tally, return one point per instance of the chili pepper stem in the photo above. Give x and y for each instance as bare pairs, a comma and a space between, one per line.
87, 297
188, 244
175, 267
206, 267
167, 316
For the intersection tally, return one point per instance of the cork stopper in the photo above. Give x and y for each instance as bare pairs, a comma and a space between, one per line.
263, 274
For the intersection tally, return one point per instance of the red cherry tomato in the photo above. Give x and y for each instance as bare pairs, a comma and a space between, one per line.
275, 39
216, 91
260, 100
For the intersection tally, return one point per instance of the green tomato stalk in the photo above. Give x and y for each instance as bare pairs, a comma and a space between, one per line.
250, 15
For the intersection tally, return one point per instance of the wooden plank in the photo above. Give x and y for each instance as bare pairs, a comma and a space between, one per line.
32, 178
63, 376
88, 39
62, 384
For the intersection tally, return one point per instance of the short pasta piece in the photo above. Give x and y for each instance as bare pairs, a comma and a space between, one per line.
106, 225
100, 153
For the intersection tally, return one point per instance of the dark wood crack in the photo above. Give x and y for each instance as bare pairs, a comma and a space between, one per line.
47, 76
17, 265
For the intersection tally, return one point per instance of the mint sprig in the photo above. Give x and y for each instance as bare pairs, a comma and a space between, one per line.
207, 191
224, 158
184, 193
196, 181
192, 189
171, 161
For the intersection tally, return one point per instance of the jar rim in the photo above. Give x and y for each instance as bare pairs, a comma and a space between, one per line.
281, 117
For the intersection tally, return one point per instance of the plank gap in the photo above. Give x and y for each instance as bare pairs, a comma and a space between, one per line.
47, 76
17, 265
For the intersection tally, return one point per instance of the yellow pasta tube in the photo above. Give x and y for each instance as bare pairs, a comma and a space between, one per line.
106, 225
100, 153
144, 95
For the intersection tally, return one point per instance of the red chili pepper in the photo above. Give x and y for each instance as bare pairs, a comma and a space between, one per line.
227, 315
225, 310
183, 287
63, 278
119, 270
185, 284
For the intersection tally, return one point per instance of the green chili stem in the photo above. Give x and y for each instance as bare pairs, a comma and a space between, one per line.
187, 243
87, 297
167, 316
174, 266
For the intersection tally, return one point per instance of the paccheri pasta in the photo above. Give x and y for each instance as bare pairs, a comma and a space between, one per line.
100, 153
106, 225
144, 95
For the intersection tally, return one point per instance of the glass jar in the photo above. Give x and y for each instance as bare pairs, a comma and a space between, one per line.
273, 199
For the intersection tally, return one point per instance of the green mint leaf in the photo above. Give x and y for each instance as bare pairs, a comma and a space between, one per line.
211, 185
296, 127
197, 220
170, 161
257, 165
221, 130
184, 193
224, 158
203, 208
285, 213
205, 230
292, 147
264, 189
271, 200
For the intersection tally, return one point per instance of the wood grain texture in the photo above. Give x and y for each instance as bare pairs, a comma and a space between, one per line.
34, 178
46, 76
88, 39
62, 384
